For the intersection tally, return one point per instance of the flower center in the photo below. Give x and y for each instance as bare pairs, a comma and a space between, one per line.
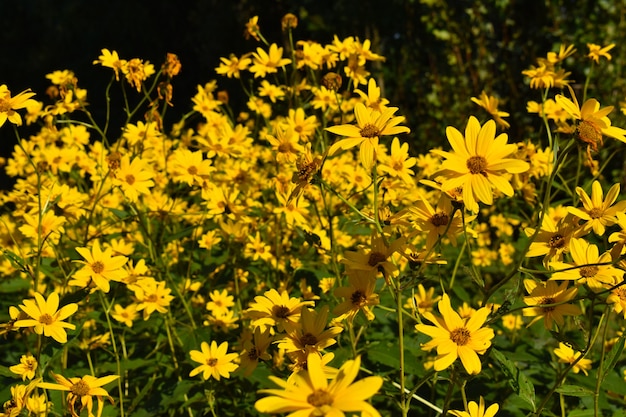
130, 179
46, 319
440, 219
460, 336
280, 312
376, 258
557, 241
319, 398
589, 133
80, 388
5, 106
621, 293
308, 339
588, 271
285, 148
547, 300
97, 267
358, 298
595, 213
211, 362
192, 170
152, 298
369, 131
253, 355
477, 165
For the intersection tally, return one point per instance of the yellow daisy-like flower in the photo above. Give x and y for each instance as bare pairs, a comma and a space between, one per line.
311, 393
276, 309
567, 355
549, 300
9, 104
359, 295
597, 51
82, 390
455, 337
46, 318
312, 335
599, 212
267, 62
424, 300
478, 163
592, 121
477, 410
134, 178
26, 368
215, 361
490, 103
618, 299
370, 126
587, 267
232, 66
99, 267
111, 59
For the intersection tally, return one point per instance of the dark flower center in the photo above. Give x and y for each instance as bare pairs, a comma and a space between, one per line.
376, 258
369, 131
477, 165
319, 398
80, 388
358, 298
97, 267
460, 336
588, 271
440, 219
308, 339
557, 241
46, 319
280, 312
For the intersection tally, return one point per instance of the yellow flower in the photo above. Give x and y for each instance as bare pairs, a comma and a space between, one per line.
370, 125
220, 302
189, 167
26, 368
9, 104
552, 239
276, 309
285, 144
588, 267
252, 28
134, 178
598, 212
455, 337
477, 410
567, 355
358, 296
152, 296
490, 103
111, 60
373, 99
312, 335
46, 317
549, 301
597, 51
81, 390
424, 300
311, 393
399, 163
376, 259
617, 297
125, 315
254, 350
479, 163
99, 268
592, 121
232, 66
137, 71
215, 361
267, 62
271, 91
442, 220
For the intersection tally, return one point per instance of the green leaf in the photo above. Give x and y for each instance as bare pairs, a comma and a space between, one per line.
13, 285
581, 413
574, 391
611, 358
517, 380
